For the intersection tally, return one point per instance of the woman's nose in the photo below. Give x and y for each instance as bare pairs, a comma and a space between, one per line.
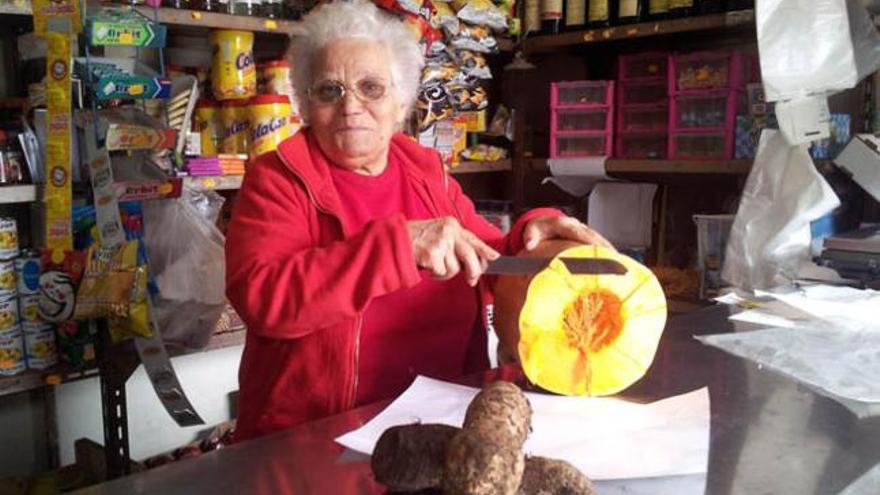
351, 103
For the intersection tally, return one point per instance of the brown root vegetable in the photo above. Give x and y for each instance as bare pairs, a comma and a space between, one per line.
503, 409
543, 476
477, 465
410, 457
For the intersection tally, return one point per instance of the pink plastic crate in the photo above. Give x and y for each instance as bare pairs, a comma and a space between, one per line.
705, 110
642, 65
581, 94
701, 145
646, 117
580, 144
642, 92
582, 119
641, 145
711, 70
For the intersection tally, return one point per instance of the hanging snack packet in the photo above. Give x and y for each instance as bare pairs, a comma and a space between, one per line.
473, 64
467, 97
476, 38
482, 12
433, 104
445, 18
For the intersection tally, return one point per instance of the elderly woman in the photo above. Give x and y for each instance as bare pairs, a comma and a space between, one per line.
352, 257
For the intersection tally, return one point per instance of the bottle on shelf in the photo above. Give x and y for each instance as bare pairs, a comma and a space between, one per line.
631, 11
531, 16
273, 9
551, 16
575, 14
599, 13
658, 10
710, 6
681, 8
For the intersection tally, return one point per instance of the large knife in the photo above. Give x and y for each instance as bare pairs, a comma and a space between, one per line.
514, 265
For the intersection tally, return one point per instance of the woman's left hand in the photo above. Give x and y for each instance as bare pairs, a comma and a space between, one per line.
546, 227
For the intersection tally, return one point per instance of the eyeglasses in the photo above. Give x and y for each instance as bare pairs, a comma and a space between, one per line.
367, 90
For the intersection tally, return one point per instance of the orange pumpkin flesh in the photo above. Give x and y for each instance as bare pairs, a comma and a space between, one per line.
581, 334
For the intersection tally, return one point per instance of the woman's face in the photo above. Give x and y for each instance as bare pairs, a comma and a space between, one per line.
354, 131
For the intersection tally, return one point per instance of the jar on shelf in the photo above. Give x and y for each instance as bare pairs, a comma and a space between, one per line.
250, 8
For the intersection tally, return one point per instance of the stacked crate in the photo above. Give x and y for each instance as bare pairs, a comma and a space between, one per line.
705, 93
581, 118
642, 106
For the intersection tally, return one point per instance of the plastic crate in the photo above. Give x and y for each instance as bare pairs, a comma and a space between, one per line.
711, 70
580, 144
642, 92
705, 110
650, 145
581, 94
701, 145
642, 65
648, 117
582, 119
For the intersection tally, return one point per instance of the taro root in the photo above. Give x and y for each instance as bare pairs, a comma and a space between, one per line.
501, 409
543, 476
410, 457
581, 334
478, 465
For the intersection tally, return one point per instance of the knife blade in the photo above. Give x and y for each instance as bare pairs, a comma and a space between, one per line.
514, 265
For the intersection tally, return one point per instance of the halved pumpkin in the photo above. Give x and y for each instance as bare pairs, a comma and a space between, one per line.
581, 334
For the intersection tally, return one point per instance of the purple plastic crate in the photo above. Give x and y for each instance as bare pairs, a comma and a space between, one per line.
581, 94
701, 145
650, 145
642, 65
580, 144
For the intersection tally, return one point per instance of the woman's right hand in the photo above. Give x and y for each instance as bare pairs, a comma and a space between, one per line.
443, 246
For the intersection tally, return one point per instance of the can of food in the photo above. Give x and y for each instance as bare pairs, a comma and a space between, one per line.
29, 310
236, 128
274, 78
8, 238
12, 360
27, 273
40, 349
8, 284
8, 315
270, 122
233, 74
207, 125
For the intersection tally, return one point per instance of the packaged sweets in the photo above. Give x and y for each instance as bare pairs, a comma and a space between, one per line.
269, 117
233, 75
236, 127
8, 238
40, 349
29, 310
208, 126
8, 284
11, 355
27, 272
8, 315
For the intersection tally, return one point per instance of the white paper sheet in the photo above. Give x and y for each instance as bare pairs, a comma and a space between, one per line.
843, 306
622, 212
576, 176
605, 438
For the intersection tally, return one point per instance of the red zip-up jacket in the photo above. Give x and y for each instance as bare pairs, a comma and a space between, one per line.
301, 282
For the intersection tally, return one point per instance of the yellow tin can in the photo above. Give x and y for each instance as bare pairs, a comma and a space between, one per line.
207, 125
236, 127
233, 74
270, 122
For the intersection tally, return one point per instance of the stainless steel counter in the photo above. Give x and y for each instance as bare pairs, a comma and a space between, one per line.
769, 435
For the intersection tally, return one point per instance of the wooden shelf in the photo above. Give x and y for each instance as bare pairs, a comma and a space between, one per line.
32, 380
197, 18
22, 193
737, 19
16, 7
621, 166
215, 183
475, 167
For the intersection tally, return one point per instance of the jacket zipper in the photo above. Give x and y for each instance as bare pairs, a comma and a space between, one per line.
355, 358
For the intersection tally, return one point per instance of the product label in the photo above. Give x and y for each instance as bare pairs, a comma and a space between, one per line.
59, 234
533, 15
598, 11
122, 34
575, 12
681, 4
628, 8
658, 6
551, 10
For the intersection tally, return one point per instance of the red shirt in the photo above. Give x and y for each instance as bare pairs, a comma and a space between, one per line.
427, 329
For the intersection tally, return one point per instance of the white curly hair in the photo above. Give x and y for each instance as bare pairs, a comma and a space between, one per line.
355, 19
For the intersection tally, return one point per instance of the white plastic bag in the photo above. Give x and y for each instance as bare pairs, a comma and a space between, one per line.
814, 47
770, 237
187, 260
